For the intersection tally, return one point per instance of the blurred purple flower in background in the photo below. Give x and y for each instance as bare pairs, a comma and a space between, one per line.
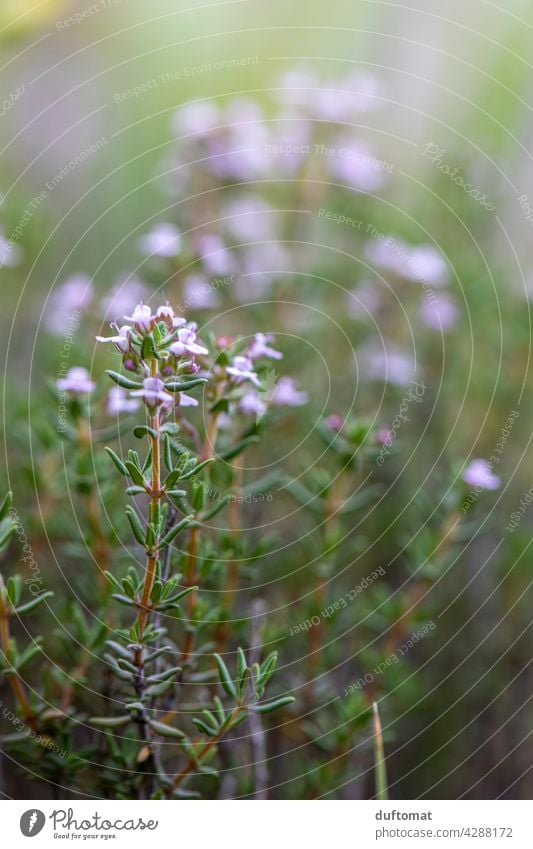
123, 297
439, 312
285, 394
198, 293
215, 256
76, 381
241, 368
363, 300
195, 118
10, 254
72, 296
478, 473
429, 265
390, 365
355, 164
118, 401
249, 218
259, 347
251, 404
163, 240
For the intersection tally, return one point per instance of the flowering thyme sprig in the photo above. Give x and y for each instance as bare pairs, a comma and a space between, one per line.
157, 350
163, 362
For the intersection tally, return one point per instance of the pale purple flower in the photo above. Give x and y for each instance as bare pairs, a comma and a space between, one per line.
118, 401
391, 365
427, 264
389, 253
166, 314
365, 90
260, 347
186, 342
334, 422
76, 381
123, 297
163, 240
478, 473
251, 404
291, 146
363, 300
10, 253
122, 338
285, 394
216, 258
242, 153
196, 119
422, 264
142, 318
249, 218
439, 313
187, 400
243, 110
332, 103
241, 369
383, 435
296, 87
199, 293
153, 393
72, 296
355, 164
261, 263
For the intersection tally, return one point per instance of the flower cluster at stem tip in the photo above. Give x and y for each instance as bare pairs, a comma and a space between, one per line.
162, 357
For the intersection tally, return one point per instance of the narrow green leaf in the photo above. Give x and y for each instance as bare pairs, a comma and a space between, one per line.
109, 721
268, 707
225, 678
173, 532
135, 473
135, 524
211, 732
235, 450
165, 730
380, 768
136, 490
184, 385
31, 605
122, 380
140, 431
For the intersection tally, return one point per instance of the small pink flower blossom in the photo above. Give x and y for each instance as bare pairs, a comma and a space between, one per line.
72, 296
153, 393
142, 318
76, 381
440, 313
478, 473
186, 342
242, 369
252, 405
215, 256
10, 253
196, 119
334, 422
260, 347
118, 401
163, 240
383, 435
122, 339
285, 394
187, 400
166, 313
199, 293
